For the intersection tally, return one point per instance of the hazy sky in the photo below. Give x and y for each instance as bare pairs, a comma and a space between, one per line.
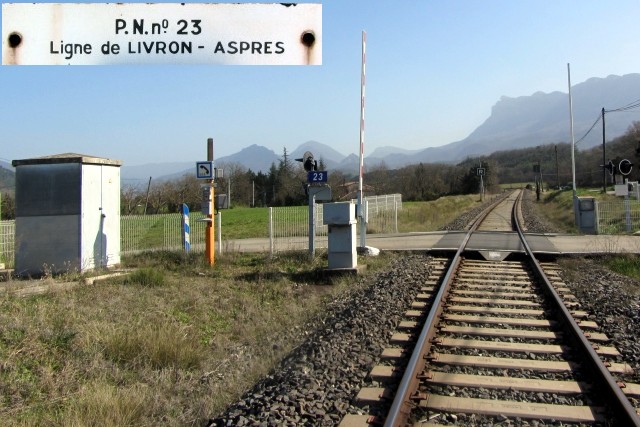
434, 70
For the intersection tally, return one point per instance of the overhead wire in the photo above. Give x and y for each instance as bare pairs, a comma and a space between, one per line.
590, 129
630, 106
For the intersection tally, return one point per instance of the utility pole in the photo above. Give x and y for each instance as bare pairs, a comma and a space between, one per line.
146, 203
481, 183
209, 235
576, 213
557, 169
604, 158
361, 201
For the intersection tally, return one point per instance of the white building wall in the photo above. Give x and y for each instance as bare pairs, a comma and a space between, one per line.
100, 216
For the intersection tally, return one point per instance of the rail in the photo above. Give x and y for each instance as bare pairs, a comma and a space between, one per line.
399, 411
611, 390
611, 393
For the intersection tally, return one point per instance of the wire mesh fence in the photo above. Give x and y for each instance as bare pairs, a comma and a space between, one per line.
156, 232
289, 228
7, 243
290, 225
618, 217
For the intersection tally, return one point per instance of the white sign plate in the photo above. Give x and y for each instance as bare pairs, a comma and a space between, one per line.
161, 33
204, 170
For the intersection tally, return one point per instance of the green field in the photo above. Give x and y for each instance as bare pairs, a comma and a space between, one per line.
242, 223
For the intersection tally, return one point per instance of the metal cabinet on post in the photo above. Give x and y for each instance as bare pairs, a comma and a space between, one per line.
587, 215
340, 219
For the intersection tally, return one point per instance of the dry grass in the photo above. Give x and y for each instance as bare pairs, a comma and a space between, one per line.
433, 215
172, 344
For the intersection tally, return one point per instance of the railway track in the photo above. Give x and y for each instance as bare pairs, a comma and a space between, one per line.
489, 341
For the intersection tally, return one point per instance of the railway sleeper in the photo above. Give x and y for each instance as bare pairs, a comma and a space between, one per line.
499, 382
517, 347
513, 333
512, 409
491, 362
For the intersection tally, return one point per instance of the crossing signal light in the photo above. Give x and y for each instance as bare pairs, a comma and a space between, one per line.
308, 162
610, 167
625, 167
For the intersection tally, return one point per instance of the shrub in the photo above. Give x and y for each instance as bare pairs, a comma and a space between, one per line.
106, 405
147, 277
156, 345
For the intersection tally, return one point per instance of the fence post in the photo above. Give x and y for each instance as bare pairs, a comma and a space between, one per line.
186, 228
627, 214
271, 231
395, 215
312, 226
220, 232
597, 213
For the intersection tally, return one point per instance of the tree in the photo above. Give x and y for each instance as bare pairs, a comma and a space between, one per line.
289, 183
130, 199
8, 207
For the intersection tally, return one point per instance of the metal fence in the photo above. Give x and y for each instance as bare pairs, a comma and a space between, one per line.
7, 243
382, 213
148, 232
288, 228
617, 217
382, 203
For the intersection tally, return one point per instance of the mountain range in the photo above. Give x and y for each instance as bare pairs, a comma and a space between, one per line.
525, 121
522, 122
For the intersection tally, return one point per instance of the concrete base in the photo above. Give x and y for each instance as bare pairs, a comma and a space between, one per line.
368, 251
333, 272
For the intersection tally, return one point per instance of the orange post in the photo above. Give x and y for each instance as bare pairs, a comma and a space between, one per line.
209, 236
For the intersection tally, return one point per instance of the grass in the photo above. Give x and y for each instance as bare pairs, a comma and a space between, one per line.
431, 216
557, 207
242, 223
146, 277
171, 345
627, 265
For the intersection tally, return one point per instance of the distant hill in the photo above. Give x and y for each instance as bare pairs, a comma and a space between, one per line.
514, 123
328, 155
255, 157
542, 118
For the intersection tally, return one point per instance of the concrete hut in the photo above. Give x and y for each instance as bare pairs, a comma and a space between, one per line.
67, 214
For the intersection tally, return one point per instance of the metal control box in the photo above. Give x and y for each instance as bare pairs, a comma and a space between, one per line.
339, 213
341, 221
587, 215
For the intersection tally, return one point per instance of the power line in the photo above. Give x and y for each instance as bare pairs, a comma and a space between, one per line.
630, 106
590, 129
